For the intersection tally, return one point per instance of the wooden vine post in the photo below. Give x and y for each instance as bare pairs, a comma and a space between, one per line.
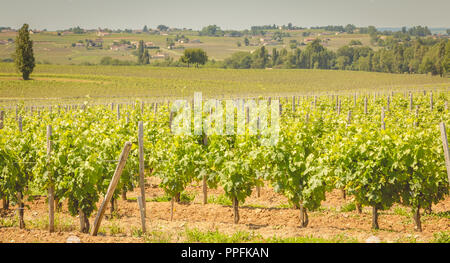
204, 179
365, 105
339, 107
142, 202
410, 101
416, 122
142, 212
349, 118
51, 197
112, 186
431, 100
20, 194
141, 162
258, 187
2, 118
293, 105
446, 150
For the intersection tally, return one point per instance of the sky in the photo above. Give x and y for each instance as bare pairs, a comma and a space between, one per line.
228, 14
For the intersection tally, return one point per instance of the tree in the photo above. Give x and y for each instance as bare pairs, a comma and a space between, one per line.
350, 28
246, 42
275, 56
211, 30
141, 50
146, 57
162, 28
24, 57
446, 60
260, 58
145, 29
194, 56
239, 60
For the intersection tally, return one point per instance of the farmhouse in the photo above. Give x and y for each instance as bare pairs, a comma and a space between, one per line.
102, 34
98, 42
160, 56
121, 47
308, 40
270, 43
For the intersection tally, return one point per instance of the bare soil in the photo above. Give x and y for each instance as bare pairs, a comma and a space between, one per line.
266, 216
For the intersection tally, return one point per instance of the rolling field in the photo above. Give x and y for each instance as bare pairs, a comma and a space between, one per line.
72, 83
54, 49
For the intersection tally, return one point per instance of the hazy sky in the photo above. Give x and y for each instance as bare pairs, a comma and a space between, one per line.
228, 14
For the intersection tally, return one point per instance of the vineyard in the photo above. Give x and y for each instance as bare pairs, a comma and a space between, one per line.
377, 150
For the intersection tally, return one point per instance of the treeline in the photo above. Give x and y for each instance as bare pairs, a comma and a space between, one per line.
418, 56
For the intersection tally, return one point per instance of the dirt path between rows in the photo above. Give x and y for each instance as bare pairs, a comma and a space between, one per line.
267, 216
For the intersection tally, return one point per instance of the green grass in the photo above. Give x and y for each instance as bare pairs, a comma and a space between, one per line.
441, 237
198, 236
65, 224
184, 198
219, 200
115, 228
8, 222
401, 211
311, 239
348, 207
444, 214
284, 206
157, 236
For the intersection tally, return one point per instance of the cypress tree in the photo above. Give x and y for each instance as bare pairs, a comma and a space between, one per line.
146, 57
24, 57
141, 52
